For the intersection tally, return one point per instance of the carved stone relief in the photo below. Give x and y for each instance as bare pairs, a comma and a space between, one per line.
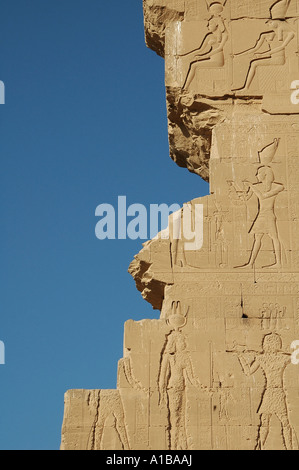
215, 371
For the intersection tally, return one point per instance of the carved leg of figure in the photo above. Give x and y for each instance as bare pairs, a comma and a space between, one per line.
286, 431
252, 71
249, 77
121, 427
277, 251
177, 419
254, 65
99, 432
255, 251
256, 248
263, 431
251, 74
192, 70
190, 75
182, 425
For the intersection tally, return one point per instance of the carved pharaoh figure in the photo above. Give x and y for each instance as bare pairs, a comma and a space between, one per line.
273, 362
266, 190
276, 40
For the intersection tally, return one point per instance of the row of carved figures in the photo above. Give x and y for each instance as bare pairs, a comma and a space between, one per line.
176, 374
210, 53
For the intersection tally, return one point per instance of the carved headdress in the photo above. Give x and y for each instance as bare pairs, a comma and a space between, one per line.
177, 319
215, 8
279, 10
267, 154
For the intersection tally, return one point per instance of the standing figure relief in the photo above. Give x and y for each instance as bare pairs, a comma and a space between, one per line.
272, 361
266, 190
109, 410
176, 373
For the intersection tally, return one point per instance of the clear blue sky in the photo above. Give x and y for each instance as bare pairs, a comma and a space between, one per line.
84, 122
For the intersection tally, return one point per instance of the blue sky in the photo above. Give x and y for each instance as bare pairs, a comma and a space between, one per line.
84, 122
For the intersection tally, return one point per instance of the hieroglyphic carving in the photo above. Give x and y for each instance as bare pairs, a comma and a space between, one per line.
272, 316
225, 399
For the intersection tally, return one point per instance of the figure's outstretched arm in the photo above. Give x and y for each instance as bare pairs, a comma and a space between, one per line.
193, 379
249, 369
191, 376
128, 370
260, 42
288, 39
242, 353
243, 194
201, 49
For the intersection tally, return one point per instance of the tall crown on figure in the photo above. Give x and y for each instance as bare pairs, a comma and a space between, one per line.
279, 10
266, 155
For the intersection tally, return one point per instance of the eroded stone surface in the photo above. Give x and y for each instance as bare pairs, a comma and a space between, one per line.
216, 371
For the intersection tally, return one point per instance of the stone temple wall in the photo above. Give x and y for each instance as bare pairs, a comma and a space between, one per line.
218, 369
